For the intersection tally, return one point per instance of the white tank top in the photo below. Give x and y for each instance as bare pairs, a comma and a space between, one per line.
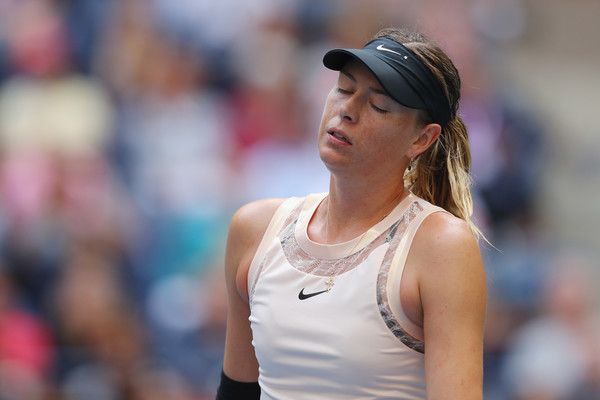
352, 342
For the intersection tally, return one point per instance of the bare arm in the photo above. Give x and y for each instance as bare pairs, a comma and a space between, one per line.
246, 230
452, 287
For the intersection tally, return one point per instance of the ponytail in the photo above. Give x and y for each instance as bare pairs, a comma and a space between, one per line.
441, 175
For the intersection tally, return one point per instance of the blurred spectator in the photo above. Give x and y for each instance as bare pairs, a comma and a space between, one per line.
131, 130
100, 334
173, 147
271, 123
86, 20
265, 104
556, 355
26, 347
54, 125
45, 107
218, 24
172, 143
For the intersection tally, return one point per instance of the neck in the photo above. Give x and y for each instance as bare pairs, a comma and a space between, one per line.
349, 212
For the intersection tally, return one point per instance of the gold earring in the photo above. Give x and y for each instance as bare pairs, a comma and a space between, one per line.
412, 159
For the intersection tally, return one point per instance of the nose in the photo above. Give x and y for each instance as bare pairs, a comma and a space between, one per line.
349, 110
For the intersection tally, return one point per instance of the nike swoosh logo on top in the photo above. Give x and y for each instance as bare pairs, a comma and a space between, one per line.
381, 48
303, 296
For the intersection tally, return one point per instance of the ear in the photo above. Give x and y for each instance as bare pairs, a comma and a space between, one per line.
427, 136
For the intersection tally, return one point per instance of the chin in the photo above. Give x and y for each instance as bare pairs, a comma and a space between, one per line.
332, 161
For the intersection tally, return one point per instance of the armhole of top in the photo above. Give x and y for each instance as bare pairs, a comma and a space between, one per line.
397, 271
272, 230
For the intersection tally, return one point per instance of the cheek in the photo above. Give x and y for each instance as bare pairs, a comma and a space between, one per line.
329, 109
391, 140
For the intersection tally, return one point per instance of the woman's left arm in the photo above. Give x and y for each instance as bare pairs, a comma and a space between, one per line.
452, 287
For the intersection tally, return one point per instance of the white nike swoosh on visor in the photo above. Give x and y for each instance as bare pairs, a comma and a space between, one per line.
381, 48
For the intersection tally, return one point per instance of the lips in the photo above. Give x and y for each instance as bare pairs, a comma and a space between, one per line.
339, 135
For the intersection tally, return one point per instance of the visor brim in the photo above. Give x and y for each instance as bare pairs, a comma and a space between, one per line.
393, 82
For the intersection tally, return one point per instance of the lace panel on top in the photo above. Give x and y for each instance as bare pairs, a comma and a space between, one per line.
304, 262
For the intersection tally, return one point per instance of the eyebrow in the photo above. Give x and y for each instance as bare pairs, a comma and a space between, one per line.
373, 89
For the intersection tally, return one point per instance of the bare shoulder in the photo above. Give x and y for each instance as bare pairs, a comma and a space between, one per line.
253, 218
444, 238
449, 259
246, 230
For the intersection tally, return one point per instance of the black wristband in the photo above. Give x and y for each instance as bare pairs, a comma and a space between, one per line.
235, 390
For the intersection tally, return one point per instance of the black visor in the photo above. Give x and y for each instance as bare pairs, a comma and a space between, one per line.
400, 72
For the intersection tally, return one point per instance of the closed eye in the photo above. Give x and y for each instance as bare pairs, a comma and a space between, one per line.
379, 110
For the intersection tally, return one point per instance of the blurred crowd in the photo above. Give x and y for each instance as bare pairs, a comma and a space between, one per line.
131, 130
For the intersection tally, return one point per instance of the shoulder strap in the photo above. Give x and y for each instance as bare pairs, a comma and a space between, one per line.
273, 229
397, 269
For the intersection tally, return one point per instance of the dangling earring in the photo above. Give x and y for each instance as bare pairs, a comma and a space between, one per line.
412, 159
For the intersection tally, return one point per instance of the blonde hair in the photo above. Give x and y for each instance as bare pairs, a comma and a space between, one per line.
441, 175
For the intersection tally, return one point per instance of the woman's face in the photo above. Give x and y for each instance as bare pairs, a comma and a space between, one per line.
363, 130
